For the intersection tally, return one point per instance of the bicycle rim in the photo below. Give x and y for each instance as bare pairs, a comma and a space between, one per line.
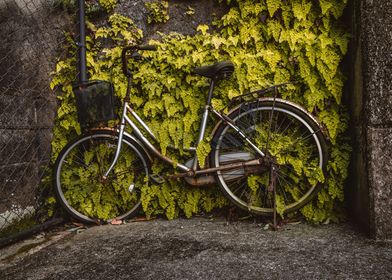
81, 188
283, 132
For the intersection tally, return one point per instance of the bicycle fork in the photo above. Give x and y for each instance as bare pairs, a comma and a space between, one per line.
119, 144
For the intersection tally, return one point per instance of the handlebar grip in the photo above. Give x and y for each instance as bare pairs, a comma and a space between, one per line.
133, 50
124, 59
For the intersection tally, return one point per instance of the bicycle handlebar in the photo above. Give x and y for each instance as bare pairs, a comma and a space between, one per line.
124, 52
147, 48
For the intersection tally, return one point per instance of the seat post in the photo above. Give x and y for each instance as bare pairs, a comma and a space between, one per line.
212, 86
203, 123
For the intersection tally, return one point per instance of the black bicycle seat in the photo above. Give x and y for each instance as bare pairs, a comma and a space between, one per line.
217, 70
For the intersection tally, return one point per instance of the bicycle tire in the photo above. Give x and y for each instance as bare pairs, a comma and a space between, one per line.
301, 157
79, 184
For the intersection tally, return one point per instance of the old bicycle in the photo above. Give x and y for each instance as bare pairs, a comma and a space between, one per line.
266, 154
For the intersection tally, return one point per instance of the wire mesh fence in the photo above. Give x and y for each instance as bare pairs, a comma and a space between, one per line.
31, 33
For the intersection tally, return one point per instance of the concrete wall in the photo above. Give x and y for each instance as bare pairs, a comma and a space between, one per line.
31, 33
370, 88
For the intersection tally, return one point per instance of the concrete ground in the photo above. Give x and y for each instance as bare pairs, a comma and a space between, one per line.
198, 248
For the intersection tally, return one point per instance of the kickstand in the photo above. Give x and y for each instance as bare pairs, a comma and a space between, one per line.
275, 216
272, 188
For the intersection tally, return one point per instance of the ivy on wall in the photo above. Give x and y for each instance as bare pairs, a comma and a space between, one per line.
269, 42
157, 11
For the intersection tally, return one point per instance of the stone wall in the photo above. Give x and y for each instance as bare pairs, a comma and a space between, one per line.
370, 88
369, 191
31, 33
205, 11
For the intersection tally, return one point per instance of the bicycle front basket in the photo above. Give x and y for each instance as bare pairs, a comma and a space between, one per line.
94, 102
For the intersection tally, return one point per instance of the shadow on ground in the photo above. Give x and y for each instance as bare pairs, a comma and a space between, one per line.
200, 248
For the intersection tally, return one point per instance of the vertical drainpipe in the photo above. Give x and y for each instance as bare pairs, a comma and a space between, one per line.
82, 43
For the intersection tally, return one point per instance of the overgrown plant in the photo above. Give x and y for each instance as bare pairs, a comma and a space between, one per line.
157, 11
108, 5
269, 42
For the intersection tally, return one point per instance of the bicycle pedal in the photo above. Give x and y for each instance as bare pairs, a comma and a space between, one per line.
157, 178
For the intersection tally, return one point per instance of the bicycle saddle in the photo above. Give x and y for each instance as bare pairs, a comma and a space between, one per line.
218, 70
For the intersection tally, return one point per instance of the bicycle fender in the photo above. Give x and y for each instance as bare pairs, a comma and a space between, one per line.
281, 101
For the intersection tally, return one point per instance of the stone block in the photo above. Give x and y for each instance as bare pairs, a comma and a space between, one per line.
380, 180
17, 111
17, 146
18, 183
368, 190
377, 40
46, 108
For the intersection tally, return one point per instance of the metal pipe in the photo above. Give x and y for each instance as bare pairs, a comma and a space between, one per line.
82, 43
6, 241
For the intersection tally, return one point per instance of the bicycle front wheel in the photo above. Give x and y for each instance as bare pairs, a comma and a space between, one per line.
293, 141
83, 191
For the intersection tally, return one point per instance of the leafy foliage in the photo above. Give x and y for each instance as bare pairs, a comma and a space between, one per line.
108, 5
157, 11
83, 189
269, 42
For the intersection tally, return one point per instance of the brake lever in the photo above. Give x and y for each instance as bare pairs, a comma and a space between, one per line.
136, 56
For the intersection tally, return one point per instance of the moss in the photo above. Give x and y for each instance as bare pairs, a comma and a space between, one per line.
18, 226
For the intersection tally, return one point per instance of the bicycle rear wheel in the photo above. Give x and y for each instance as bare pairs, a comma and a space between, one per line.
79, 183
289, 136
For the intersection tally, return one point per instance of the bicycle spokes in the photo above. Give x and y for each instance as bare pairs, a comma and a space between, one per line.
290, 144
87, 191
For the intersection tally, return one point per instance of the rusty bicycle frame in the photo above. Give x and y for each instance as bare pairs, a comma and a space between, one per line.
194, 170
186, 171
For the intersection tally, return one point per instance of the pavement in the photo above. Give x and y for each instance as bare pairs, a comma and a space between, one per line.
198, 248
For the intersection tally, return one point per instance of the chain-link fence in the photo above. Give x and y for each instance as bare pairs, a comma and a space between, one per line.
31, 33
32, 38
